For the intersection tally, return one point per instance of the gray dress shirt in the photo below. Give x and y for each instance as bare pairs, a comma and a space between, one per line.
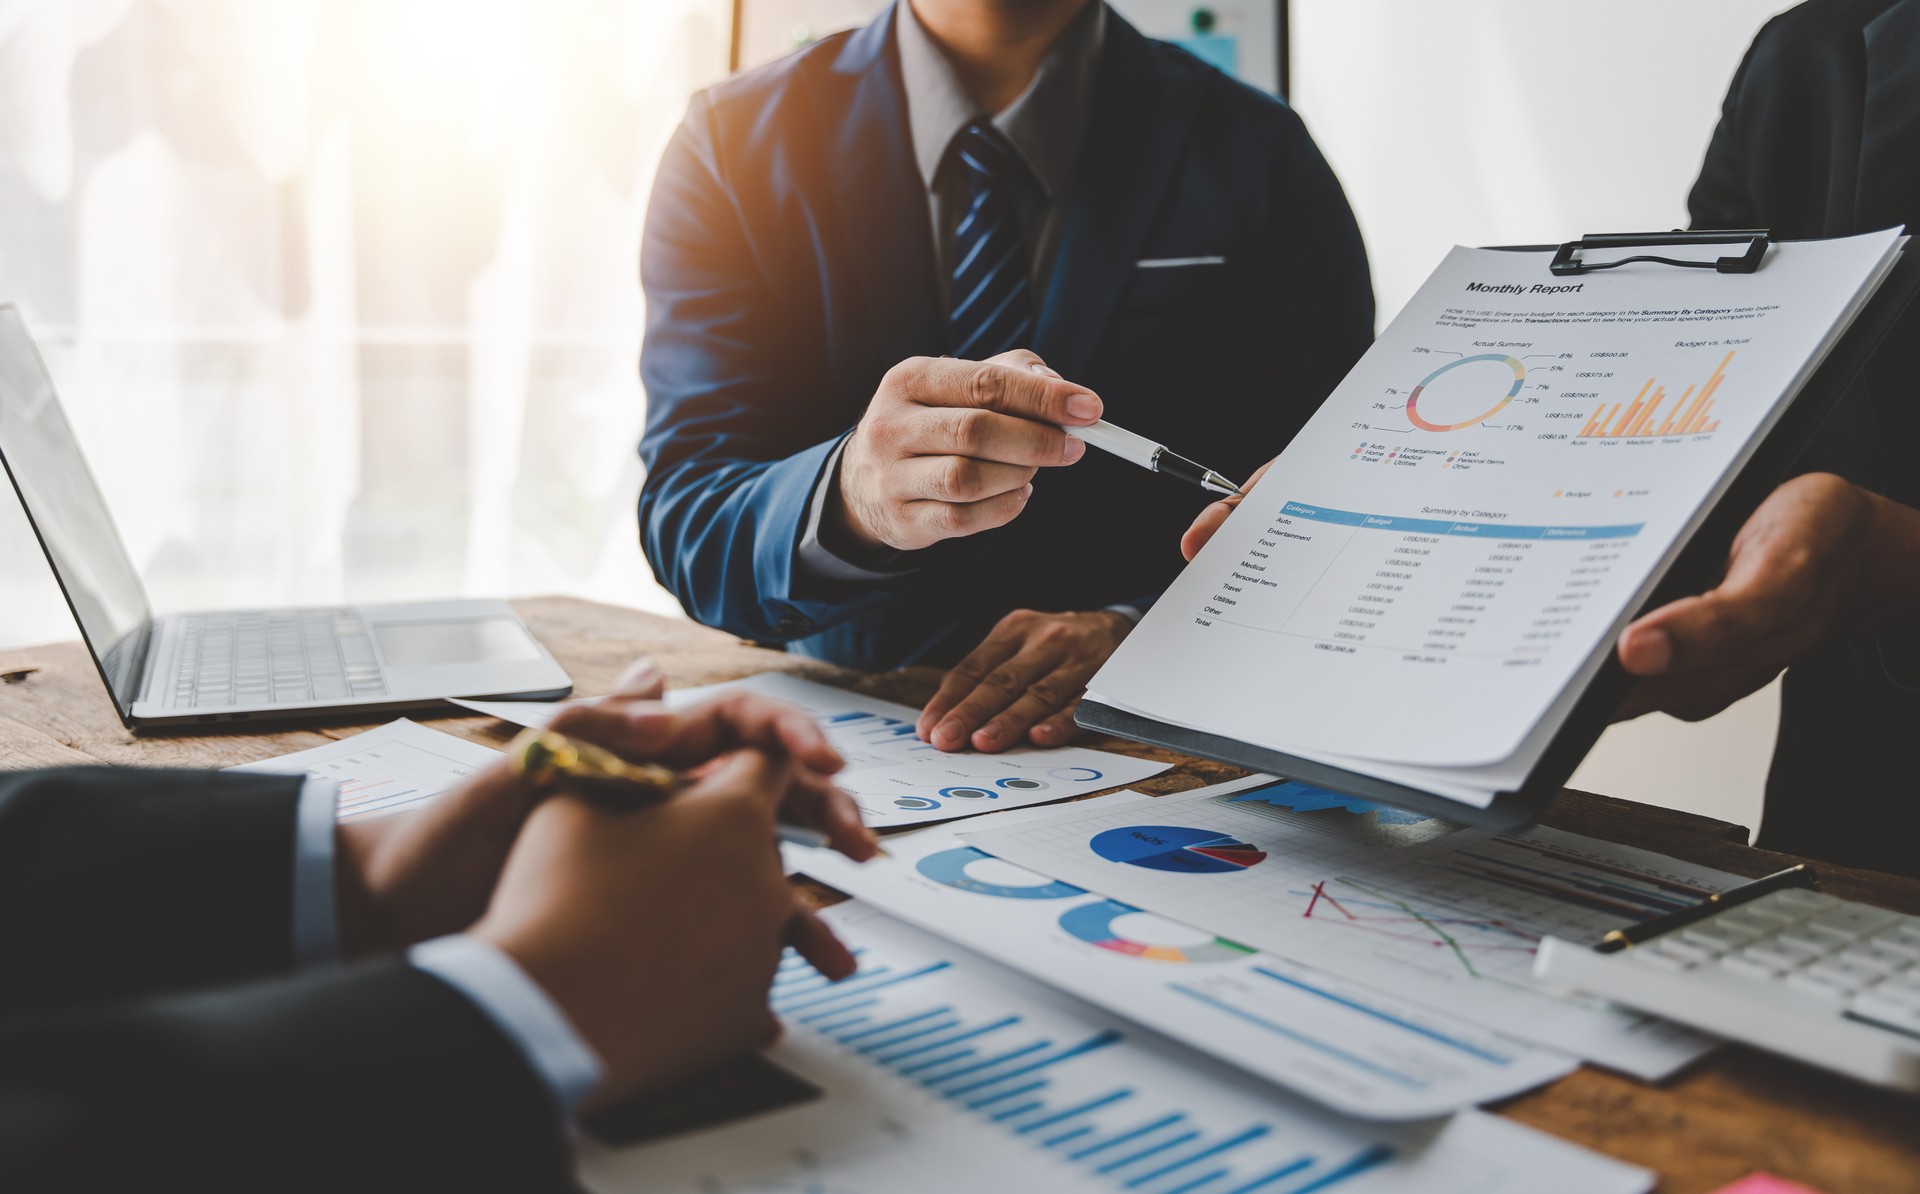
1047, 127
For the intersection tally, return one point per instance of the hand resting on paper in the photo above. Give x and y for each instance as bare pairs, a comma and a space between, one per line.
1023, 682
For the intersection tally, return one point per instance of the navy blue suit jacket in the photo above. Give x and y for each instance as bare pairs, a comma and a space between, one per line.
788, 263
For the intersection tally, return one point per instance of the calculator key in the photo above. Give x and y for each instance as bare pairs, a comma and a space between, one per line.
1812, 937
1803, 901
1705, 945
1820, 986
1857, 919
1907, 932
1867, 953
1664, 959
1760, 920
1729, 936
1893, 993
1780, 956
1747, 965
1840, 970
1677, 947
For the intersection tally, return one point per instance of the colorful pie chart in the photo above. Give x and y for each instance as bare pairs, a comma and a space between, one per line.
1125, 929
1177, 848
967, 869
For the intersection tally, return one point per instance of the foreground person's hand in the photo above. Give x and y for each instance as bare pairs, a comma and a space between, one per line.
430, 871
657, 931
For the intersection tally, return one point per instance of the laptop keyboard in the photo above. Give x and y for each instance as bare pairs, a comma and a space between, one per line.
274, 658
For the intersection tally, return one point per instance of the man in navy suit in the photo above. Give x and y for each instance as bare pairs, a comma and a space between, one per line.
881, 275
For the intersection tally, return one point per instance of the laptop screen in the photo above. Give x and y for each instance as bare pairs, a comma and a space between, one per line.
68, 513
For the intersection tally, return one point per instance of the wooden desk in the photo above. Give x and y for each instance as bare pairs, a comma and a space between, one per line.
1734, 1113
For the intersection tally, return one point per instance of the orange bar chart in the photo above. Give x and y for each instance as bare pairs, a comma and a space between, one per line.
1688, 415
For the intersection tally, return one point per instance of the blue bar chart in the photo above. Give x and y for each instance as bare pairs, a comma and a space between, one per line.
942, 1070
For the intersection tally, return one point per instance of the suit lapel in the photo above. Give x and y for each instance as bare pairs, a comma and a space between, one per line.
1889, 191
1139, 126
880, 202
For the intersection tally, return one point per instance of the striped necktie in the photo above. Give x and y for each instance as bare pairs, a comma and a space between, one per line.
991, 297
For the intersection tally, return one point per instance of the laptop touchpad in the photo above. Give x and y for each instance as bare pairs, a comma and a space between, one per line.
455, 640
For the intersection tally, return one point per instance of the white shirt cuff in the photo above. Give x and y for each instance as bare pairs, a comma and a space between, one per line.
1129, 612
815, 559
516, 1004
316, 923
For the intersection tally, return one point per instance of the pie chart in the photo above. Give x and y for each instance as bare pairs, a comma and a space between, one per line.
1177, 848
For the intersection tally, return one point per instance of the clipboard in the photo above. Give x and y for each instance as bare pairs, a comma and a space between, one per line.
1695, 570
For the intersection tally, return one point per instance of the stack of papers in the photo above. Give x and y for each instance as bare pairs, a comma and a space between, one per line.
1449, 919
935, 1068
386, 770
894, 777
1425, 582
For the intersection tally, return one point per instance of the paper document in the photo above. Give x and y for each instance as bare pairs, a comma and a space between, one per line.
1449, 919
1358, 1050
384, 770
937, 1071
1425, 581
894, 777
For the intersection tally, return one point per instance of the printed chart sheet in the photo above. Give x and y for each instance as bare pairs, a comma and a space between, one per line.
934, 1069
1423, 583
1446, 918
1357, 1049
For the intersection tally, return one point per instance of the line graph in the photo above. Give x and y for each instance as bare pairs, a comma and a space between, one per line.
1382, 914
1456, 918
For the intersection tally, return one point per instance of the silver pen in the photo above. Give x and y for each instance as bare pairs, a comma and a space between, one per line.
1138, 449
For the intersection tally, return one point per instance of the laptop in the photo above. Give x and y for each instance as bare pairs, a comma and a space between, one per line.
178, 670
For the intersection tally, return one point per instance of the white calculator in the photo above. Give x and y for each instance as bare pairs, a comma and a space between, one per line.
1831, 982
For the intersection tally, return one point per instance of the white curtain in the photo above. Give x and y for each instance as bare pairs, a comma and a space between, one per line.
343, 296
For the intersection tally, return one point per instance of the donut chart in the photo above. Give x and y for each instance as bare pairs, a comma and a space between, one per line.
1094, 924
1425, 424
950, 868
970, 792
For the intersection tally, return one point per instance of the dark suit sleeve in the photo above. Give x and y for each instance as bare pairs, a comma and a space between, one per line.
372, 1079
735, 438
116, 882
1721, 196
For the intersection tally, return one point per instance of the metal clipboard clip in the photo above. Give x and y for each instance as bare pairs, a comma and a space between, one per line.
1567, 260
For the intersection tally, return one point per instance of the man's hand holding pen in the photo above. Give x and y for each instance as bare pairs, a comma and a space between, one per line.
589, 897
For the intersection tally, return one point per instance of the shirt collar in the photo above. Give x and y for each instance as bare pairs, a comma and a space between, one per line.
1046, 124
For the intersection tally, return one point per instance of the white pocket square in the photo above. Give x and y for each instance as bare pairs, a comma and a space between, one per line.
1176, 262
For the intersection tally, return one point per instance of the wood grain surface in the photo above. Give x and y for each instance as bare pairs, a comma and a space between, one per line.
1736, 1112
